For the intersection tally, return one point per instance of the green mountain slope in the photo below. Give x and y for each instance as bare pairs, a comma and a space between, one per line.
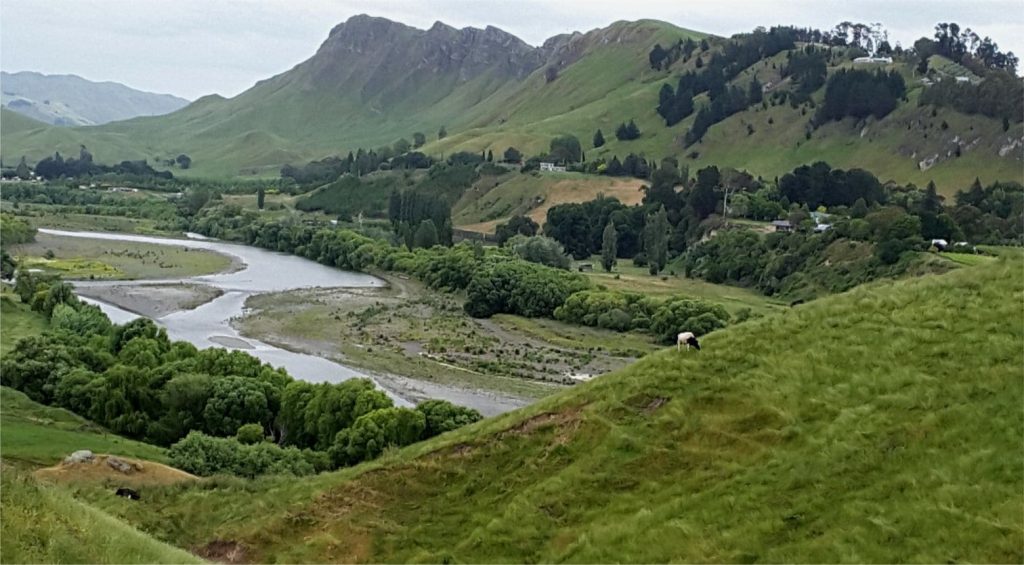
881, 425
69, 100
374, 81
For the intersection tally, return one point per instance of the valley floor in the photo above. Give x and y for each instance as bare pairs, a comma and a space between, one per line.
423, 335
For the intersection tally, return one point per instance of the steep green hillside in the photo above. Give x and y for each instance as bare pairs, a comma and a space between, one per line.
44, 524
881, 425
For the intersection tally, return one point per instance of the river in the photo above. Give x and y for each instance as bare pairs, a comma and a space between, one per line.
209, 325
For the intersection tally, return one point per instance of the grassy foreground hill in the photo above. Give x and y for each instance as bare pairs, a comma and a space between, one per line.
44, 524
880, 425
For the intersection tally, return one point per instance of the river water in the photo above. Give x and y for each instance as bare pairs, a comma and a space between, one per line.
209, 325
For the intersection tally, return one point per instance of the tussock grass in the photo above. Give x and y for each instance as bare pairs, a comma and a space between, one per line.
880, 425
44, 524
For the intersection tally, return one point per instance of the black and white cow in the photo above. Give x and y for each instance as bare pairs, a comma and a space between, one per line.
688, 339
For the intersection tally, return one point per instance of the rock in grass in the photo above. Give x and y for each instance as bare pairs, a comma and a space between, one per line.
122, 466
80, 456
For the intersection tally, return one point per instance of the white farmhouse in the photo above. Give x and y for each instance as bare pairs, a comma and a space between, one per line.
873, 60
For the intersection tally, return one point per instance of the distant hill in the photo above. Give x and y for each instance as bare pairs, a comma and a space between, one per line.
70, 100
374, 81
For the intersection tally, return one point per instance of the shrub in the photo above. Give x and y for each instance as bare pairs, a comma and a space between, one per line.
441, 416
204, 455
250, 434
681, 314
525, 289
374, 432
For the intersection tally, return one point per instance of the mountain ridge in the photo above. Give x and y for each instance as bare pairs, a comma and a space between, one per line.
373, 81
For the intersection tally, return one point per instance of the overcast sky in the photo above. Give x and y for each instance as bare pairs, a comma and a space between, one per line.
196, 47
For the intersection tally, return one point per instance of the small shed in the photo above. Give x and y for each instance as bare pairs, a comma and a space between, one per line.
782, 225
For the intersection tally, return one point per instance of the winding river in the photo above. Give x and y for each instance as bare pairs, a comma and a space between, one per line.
209, 325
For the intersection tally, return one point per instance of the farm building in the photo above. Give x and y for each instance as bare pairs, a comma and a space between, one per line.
782, 225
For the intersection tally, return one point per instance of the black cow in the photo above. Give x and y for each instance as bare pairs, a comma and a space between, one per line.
128, 493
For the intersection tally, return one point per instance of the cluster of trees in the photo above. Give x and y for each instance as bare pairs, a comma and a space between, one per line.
673, 105
65, 200
965, 47
650, 233
520, 287
800, 265
133, 380
350, 196
205, 455
565, 149
820, 185
516, 225
627, 131
661, 58
993, 214
744, 50
868, 239
632, 166
55, 167
859, 94
625, 311
182, 160
808, 69
999, 95
539, 249
723, 104
358, 164
736, 55
579, 227
869, 38
421, 220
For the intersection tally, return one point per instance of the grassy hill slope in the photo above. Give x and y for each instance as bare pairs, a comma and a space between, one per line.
881, 425
44, 524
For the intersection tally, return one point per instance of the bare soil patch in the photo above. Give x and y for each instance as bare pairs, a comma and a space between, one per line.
222, 551
99, 471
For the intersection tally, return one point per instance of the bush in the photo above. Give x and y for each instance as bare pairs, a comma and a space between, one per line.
539, 249
441, 416
615, 319
204, 455
526, 289
681, 314
374, 432
250, 434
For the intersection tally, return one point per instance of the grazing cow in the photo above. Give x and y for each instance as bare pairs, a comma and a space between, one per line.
689, 339
128, 493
